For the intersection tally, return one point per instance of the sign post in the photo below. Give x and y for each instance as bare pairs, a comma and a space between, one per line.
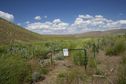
65, 52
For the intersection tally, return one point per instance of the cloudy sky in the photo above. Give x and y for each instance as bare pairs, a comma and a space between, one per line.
65, 16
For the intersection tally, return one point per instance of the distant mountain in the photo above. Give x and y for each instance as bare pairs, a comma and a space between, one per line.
101, 33
10, 31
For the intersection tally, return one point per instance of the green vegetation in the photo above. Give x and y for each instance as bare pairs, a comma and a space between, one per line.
14, 70
80, 57
116, 47
59, 56
10, 32
24, 55
72, 76
122, 71
15, 57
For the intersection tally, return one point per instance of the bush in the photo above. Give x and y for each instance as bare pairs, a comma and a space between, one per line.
73, 76
2, 49
44, 70
36, 76
92, 63
41, 52
59, 56
116, 49
14, 70
122, 75
122, 72
79, 58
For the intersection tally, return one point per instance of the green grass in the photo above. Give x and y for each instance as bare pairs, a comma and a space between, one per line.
14, 70
19, 53
10, 32
73, 76
18, 46
117, 47
78, 58
122, 71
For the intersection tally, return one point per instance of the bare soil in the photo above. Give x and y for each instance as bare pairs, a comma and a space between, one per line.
107, 64
60, 66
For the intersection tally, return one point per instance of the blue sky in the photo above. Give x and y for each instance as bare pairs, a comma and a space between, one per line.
65, 12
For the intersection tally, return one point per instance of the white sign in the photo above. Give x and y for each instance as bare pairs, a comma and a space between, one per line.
65, 52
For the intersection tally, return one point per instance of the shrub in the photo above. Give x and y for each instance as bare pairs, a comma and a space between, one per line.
99, 72
14, 70
36, 76
41, 52
80, 57
117, 48
59, 56
2, 49
44, 70
73, 76
122, 75
92, 63
122, 72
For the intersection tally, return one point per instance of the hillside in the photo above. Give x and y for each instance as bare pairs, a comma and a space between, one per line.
87, 34
101, 33
99, 60
10, 31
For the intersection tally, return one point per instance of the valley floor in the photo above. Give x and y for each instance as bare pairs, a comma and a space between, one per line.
106, 64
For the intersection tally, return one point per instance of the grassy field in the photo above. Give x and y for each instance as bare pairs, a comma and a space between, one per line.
26, 57
19, 61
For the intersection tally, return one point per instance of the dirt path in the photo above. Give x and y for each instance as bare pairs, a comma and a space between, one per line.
60, 66
107, 64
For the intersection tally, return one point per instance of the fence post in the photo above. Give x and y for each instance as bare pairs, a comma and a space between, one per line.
94, 49
85, 59
51, 59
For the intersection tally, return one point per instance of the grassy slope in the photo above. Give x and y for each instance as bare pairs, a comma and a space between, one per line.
10, 31
92, 34
102, 33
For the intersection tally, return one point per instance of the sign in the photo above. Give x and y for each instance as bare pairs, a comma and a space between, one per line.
65, 52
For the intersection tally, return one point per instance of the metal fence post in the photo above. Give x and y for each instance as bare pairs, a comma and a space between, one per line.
85, 59
94, 49
51, 59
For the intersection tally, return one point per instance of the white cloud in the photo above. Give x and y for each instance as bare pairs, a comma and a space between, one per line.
38, 25
122, 21
37, 18
82, 23
53, 27
6, 16
45, 17
19, 24
85, 23
56, 21
27, 22
57, 24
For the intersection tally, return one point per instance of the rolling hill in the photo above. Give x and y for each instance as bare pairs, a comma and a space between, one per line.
88, 34
10, 31
101, 33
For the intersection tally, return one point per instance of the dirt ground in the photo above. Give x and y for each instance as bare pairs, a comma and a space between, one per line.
107, 64
60, 66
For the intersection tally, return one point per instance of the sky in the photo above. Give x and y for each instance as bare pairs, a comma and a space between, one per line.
65, 16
